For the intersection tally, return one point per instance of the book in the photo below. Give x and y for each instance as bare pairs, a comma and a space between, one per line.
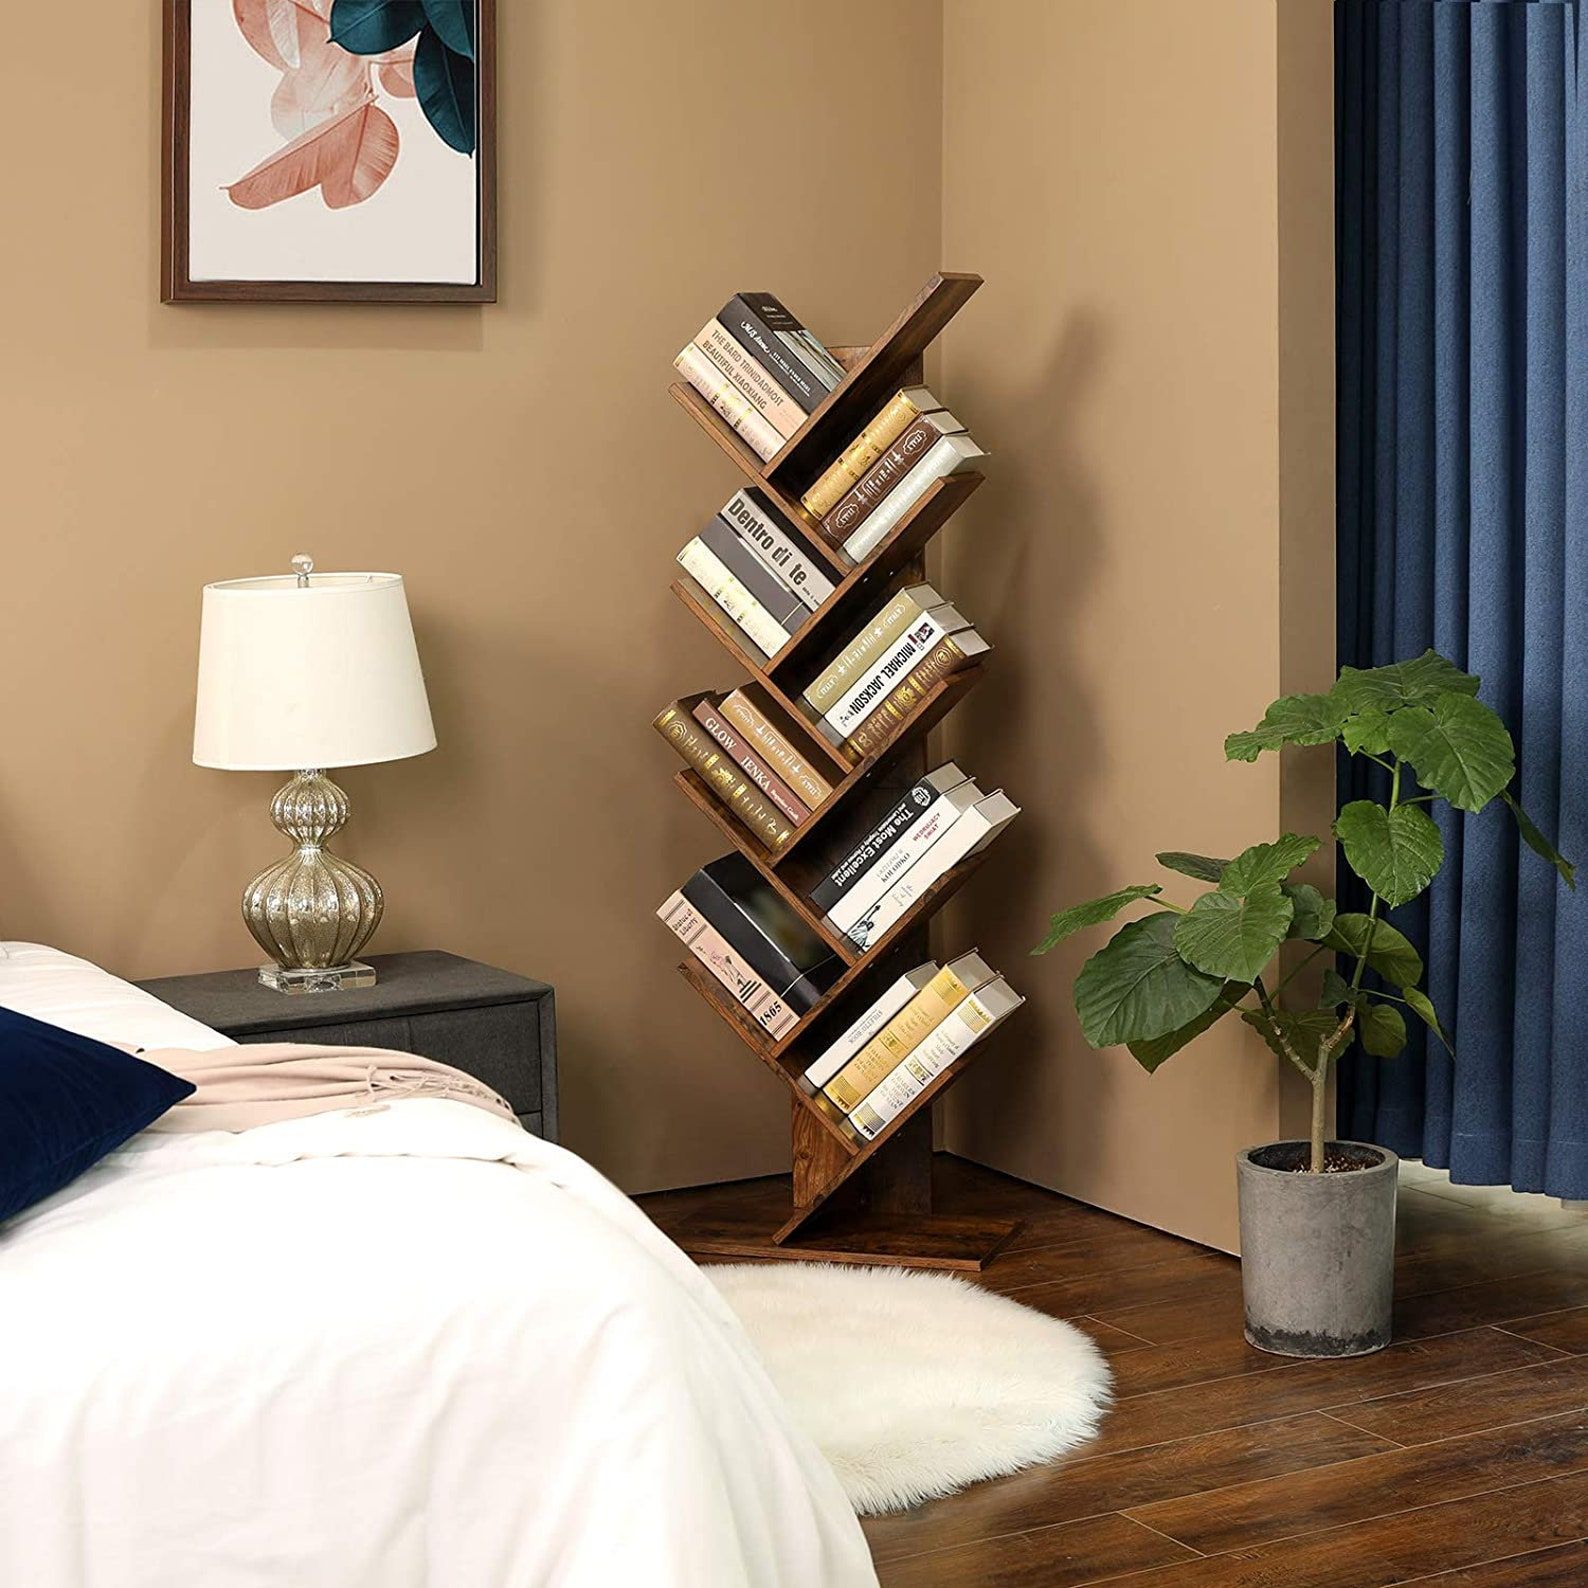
754, 429
861, 860
764, 345
863, 694
901, 610
779, 545
795, 337
752, 720
708, 945
948, 656
742, 905
977, 1015
880, 433
725, 778
854, 914
703, 566
948, 455
973, 831
767, 397
855, 505
705, 713
770, 593
891, 1045
839, 1053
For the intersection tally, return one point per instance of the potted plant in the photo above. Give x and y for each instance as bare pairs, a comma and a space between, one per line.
1317, 1219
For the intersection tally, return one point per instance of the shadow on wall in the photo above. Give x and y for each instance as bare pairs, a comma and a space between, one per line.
1037, 569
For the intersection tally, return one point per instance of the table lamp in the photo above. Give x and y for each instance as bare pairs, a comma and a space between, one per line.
297, 673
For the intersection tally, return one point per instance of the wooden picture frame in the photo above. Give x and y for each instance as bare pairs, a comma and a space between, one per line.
284, 111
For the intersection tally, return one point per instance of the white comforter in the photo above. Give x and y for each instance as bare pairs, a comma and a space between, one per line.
381, 1350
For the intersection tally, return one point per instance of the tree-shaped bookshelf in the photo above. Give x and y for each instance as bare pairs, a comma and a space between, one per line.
852, 1201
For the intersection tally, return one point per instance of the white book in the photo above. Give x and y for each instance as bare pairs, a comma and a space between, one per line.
951, 455
706, 569
851, 912
758, 432
869, 1024
969, 1021
785, 558
973, 831
766, 396
909, 650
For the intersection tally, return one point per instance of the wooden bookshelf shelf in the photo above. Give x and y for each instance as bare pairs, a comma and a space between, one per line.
852, 1200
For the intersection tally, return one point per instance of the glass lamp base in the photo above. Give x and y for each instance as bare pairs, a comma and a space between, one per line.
331, 978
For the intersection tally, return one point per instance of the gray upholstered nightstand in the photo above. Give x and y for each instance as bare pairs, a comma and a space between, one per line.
498, 1027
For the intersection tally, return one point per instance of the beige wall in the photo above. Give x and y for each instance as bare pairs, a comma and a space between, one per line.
520, 464
1151, 364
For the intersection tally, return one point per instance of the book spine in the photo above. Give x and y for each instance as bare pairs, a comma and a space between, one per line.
769, 592
902, 1085
966, 834
708, 945
799, 990
823, 692
850, 466
923, 1014
764, 779
768, 398
764, 345
758, 434
870, 850
810, 788
862, 1031
763, 528
706, 569
725, 779
852, 914
943, 459
891, 670
856, 505
945, 658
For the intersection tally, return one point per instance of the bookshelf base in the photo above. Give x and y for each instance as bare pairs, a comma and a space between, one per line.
929, 1240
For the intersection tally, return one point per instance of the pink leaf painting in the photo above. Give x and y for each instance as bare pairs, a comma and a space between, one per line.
326, 81
347, 158
272, 26
397, 78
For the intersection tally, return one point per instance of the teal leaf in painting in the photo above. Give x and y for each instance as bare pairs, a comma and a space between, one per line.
454, 21
372, 27
444, 81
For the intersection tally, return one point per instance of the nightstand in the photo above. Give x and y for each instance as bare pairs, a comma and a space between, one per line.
498, 1027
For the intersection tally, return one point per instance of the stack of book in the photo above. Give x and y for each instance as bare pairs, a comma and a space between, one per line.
863, 696
759, 571
760, 369
905, 450
765, 957
747, 754
943, 820
927, 1019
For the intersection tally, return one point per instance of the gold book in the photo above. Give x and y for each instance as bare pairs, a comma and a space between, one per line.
949, 655
725, 778
845, 471
905, 608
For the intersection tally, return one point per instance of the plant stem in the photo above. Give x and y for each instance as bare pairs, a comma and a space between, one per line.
1271, 1015
1320, 1094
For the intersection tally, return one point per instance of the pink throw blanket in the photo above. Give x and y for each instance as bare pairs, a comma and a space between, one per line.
260, 1083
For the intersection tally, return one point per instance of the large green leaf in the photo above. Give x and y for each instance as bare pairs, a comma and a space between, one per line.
1422, 1006
1419, 682
1396, 853
1292, 719
1536, 841
444, 83
1337, 991
1231, 937
371, 27
1203, 867
1391, 955
454, 21
1265, 863
1313, 913
1458, 747
1137, 987
1306, 1030
1093, 913
1380, 1027
1151, 1053
1367, 732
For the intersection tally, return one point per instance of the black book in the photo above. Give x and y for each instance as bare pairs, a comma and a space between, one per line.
761, 341
884, 836
736, 899
785, 608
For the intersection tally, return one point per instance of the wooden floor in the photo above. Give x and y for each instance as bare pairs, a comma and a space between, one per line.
1457, 1458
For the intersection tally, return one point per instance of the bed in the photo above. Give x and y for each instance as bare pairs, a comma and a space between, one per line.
408, 1347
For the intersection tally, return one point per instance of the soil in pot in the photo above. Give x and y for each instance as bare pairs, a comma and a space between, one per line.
1295, 1157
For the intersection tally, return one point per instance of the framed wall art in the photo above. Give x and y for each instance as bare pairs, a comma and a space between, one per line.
329, 151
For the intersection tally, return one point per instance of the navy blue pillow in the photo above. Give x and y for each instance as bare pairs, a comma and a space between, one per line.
65, 1101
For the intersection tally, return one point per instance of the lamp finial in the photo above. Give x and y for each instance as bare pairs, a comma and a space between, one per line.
303, 566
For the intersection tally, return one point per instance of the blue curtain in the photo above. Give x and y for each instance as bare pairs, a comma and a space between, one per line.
1463, 524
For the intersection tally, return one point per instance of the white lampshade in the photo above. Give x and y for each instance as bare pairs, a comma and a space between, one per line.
322, 675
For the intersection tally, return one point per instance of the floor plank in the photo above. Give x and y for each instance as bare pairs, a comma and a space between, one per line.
1566, 1331
1545, 1568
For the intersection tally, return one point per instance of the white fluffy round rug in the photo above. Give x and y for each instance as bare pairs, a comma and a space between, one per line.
912, 1384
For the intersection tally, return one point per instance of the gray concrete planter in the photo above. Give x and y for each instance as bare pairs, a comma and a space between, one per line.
1317, 1250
